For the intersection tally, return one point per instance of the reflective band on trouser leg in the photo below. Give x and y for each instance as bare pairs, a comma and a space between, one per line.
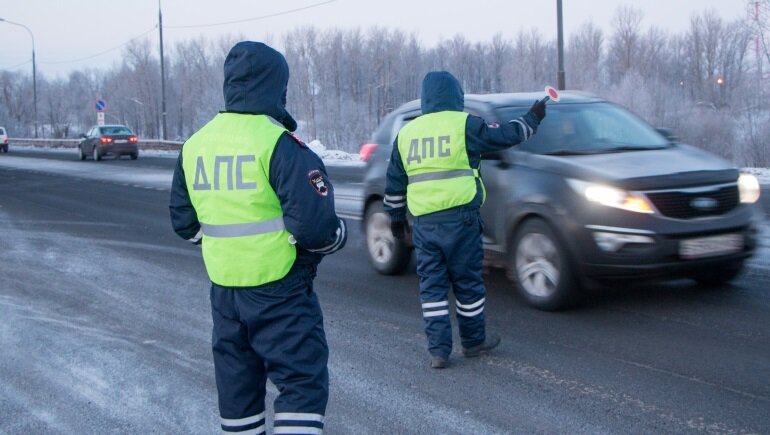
433, 309
443, 175
247, 229
253, 425
470, 310
298, 423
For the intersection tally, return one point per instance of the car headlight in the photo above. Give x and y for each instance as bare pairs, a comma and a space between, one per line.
748, 186
611, 196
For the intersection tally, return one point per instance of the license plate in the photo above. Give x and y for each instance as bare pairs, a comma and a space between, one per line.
710, 246
121, 141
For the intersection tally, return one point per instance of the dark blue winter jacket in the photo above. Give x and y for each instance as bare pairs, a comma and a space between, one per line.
441, 92
256, 78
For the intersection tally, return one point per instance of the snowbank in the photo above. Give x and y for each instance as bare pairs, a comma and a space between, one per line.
74, 151
334, 156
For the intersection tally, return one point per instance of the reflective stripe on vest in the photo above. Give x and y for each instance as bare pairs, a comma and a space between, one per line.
226, 166
238, 230
443, 175
433, 153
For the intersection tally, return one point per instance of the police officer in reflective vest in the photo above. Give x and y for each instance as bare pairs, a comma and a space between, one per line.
434, 172
260, 203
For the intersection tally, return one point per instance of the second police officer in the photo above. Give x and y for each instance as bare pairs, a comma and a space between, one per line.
434, 172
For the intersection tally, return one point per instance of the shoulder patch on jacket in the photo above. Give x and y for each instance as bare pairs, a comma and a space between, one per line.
316, 179
296, 139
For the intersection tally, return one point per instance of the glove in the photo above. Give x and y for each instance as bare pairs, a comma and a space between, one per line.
399, 229
538, 109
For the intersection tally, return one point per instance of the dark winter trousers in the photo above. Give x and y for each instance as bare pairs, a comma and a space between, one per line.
449, 251
273, 331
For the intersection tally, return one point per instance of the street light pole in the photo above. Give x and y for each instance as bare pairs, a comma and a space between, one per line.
34, 67
162, 75
560, 37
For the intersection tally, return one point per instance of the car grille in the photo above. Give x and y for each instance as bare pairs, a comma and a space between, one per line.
692, 203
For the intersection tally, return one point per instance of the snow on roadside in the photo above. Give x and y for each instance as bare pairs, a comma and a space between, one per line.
335, 157
73, 151
58, 150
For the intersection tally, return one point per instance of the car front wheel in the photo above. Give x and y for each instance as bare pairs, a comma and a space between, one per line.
97, 154
81, 154
540, 268
388, 255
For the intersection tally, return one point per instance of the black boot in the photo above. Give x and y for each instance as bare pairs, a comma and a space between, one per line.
489, 343
438, 362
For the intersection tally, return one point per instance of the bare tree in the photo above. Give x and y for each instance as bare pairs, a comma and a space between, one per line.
625, 42
499, 55
15, 93
343, 82
585, 57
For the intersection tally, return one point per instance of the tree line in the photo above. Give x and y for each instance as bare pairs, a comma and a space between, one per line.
705, 83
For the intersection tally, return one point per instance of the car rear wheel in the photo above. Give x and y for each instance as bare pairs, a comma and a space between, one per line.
96, 154
133, 156
540, 268
388, 255
717, 275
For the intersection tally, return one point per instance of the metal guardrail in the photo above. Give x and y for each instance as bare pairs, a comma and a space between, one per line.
146, 144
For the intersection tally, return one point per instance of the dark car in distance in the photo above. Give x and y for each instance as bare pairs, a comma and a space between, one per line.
104, 140
597, 195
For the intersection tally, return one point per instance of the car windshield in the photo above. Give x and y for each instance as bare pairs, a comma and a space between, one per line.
589, 128
2, 131
115, 130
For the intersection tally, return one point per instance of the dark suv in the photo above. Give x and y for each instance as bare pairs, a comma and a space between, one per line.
597, 194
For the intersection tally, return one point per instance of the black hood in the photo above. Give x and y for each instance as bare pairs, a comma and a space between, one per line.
256, 79
441, 91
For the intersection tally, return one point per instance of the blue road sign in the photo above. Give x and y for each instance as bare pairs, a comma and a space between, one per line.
100, 105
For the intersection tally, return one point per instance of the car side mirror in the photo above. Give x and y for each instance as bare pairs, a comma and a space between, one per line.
668, 134
83, 136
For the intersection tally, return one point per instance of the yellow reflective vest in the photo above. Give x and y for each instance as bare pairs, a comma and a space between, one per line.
227, 171
433, 153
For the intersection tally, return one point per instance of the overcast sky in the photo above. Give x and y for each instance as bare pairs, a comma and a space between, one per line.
74, 29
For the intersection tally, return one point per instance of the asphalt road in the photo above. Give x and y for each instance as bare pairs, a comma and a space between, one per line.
105, 328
